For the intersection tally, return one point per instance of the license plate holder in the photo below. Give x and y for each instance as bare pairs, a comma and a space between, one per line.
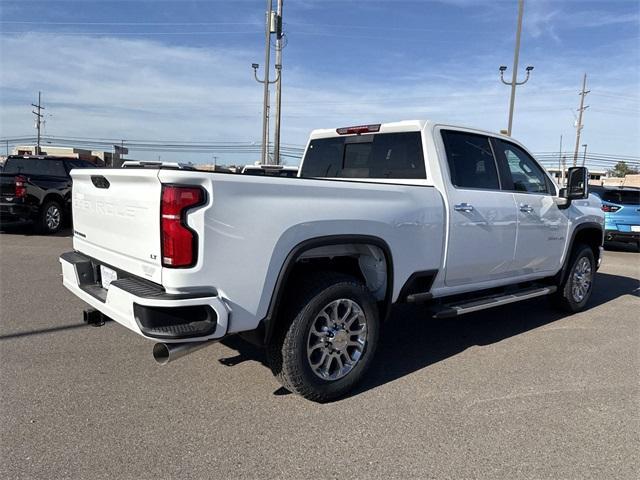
107, 275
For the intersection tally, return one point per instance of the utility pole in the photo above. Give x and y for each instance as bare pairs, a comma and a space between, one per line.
514, 78
584, 156
279, 47
579, 126
38, 113
270, 27
561, 172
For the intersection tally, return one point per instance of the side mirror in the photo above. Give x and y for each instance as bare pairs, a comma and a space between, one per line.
577, 184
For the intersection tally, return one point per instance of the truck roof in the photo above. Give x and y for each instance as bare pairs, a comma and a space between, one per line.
39, 157
406, 126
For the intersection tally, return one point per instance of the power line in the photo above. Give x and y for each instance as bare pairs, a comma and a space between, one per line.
178, 24
130, 33
140, 141
621, 96
549, 159
239, 147
616, 111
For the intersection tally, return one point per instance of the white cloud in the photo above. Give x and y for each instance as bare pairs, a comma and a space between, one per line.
547, 18
141, 89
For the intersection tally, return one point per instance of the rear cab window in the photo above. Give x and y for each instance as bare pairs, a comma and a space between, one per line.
372, 156
71, 164
621, 197
35, 166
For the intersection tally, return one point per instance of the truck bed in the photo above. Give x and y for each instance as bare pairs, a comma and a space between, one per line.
249, 224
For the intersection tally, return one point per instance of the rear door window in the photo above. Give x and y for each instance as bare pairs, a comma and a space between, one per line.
54, 168
471, 161
383, 155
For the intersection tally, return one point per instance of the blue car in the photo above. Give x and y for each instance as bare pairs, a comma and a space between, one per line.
621, 207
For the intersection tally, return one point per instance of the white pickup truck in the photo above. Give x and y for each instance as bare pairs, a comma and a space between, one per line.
454, 218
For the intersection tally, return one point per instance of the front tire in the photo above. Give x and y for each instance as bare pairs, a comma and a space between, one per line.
327, 339
573, 294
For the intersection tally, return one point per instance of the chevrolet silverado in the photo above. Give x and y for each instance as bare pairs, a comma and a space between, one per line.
453, 218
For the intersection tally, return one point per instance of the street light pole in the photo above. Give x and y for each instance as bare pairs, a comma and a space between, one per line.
584, 155
514, 78
279, 47
269, 29
516, 57
267, 63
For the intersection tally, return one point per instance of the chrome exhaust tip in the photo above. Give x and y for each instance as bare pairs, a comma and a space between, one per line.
164, 353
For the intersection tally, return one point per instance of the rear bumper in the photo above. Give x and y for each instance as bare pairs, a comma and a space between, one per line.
16, 212
618, 236
144, 307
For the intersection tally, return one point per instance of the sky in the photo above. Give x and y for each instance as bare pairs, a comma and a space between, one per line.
180, 70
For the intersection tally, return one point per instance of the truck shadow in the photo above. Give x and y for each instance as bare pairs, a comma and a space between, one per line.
411, 340
621, 247
29, 230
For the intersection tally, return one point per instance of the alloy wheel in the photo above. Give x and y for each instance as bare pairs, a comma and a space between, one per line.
337, 339
52, 217
582, 279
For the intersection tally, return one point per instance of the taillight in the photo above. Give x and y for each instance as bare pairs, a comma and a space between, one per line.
21, 186
610, 208
179, 242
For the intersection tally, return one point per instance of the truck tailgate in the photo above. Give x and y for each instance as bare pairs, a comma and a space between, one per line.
116, 218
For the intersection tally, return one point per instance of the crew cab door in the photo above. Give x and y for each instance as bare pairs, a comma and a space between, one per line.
482, 217
542, 226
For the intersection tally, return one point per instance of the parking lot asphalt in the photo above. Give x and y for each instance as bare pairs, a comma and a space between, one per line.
518, 392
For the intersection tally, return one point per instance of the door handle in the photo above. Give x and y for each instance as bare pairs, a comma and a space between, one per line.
526, 208
463, 207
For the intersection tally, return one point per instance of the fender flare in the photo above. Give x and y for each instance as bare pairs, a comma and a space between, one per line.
562, 274
269, 322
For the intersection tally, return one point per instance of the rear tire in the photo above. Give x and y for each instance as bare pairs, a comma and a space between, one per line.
327, 338
574, 292
51, 217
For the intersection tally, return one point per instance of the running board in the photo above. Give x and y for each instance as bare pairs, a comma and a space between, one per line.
455, 310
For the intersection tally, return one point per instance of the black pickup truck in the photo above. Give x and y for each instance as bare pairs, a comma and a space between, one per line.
37, 189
